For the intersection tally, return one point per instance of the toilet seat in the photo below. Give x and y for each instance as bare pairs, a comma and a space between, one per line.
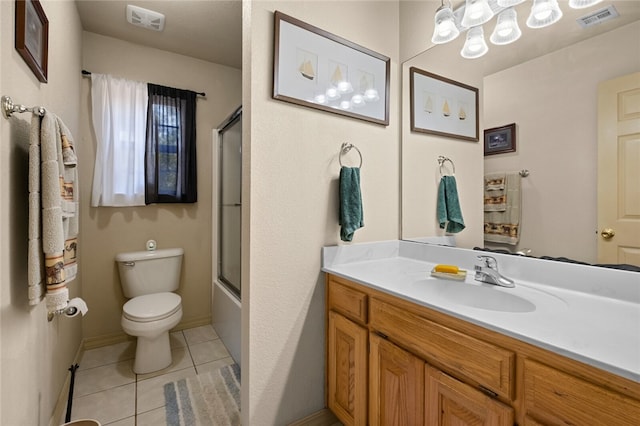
151, 307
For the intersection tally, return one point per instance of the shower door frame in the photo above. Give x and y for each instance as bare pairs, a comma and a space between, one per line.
230, 121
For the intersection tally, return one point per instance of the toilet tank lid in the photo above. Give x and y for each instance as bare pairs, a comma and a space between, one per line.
148, 254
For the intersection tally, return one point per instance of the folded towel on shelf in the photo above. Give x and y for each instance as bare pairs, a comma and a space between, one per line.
504, 226
448, 208
351, 215
53, 211
495, 196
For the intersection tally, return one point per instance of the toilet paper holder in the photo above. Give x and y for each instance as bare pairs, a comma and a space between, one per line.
71, 310
68, 310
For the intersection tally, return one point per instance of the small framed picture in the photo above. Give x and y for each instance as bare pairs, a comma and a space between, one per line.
32, 36
500, 139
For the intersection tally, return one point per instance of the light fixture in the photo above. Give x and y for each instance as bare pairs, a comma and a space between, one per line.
506, 30
581, 4
474, 46
544, 13
476, 12
445, 28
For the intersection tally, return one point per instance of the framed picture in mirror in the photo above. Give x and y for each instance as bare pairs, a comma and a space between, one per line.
320, 70
499, 140
441, 106
32, 36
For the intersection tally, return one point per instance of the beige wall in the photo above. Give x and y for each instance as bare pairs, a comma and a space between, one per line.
291, 191
556, 115
35, 354
107, 231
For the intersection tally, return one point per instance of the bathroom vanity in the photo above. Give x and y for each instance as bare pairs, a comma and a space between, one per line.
406, 348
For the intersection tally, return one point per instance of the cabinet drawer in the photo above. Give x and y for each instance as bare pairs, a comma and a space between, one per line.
557, 398
347, 301
458, 354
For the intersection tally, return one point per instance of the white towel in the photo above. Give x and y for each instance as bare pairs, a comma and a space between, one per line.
34, 255
53, 211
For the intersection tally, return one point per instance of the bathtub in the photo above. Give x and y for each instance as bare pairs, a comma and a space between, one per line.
226, 319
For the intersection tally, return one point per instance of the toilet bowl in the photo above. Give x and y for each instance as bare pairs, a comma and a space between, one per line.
148, 279
149, 318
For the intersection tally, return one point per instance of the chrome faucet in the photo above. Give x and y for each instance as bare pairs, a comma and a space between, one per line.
487, 272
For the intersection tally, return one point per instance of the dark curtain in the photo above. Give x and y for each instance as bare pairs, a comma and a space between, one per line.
170, 153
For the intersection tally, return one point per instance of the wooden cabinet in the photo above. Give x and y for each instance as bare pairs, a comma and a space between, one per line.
392, 362
396, 385
484, 363
347, 370
557, 398
451, 402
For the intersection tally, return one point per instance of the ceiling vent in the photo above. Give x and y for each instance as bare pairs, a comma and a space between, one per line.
145, 18
598, 17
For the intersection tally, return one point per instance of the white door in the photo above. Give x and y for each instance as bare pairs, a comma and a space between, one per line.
619, 170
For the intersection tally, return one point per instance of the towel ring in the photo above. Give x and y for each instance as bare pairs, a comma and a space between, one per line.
345, 148
442, 160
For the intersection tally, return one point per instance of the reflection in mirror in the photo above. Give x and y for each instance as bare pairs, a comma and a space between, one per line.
551, 93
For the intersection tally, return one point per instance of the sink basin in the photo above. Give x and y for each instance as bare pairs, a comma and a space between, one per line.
486, 297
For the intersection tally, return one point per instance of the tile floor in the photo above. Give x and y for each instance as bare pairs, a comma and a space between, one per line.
107, 389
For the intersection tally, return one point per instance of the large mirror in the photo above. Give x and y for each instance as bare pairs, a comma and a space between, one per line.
547, 84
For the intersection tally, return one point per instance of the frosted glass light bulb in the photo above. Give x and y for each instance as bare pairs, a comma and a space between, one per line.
476, 12
445, 28
506, 30
544, 13
474, 46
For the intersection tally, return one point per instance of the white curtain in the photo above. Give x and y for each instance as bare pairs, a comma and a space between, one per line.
120, 121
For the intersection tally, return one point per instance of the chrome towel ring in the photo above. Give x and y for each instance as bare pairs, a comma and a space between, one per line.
346, 147
442, 160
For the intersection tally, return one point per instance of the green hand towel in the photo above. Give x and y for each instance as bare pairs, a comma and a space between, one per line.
351, 217
448, 206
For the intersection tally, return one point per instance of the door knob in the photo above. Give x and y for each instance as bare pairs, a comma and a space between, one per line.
607, 233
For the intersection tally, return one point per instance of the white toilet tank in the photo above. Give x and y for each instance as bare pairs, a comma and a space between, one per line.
148, 272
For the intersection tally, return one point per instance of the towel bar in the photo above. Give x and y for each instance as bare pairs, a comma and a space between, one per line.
346, 147
8, 108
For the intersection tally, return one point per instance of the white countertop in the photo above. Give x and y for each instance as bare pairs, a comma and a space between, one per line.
586, 313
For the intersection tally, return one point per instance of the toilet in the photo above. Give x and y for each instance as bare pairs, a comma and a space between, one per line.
149, 279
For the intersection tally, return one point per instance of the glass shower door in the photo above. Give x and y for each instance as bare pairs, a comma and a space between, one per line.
230, 206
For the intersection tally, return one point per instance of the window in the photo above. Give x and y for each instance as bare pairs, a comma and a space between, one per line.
171, 146
167, 149
146, 143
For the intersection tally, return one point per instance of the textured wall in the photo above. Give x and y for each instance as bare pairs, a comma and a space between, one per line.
291, 159
35, 354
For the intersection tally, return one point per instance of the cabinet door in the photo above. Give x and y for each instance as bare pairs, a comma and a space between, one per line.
556, 398
450, 402
347, 370
397, 385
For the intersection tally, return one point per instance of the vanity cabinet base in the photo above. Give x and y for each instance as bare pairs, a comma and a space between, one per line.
394, 362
